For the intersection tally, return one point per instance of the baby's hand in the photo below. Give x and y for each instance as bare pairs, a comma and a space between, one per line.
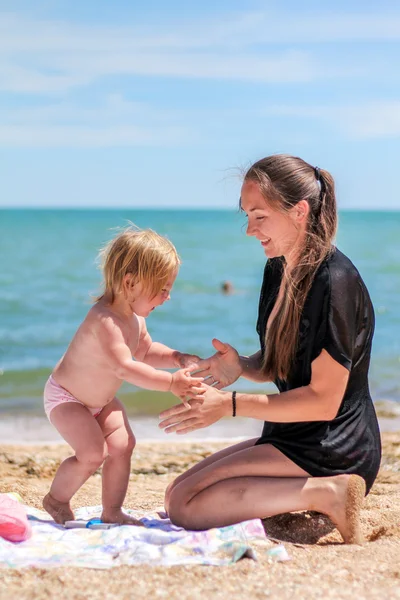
183, 360
184, 386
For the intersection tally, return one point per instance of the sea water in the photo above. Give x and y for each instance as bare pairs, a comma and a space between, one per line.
49, 272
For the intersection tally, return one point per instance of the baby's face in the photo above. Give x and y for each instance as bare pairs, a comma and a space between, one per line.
143, 305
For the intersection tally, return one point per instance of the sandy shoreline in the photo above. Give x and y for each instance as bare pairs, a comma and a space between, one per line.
28, 429
320, 565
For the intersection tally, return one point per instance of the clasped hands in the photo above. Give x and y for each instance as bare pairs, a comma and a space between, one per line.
210, 404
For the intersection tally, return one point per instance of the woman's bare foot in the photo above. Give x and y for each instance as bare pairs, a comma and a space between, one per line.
120, 517
60, 511
345, 509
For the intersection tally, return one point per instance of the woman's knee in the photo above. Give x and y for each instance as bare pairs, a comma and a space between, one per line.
177, 512
167, 494
178, 506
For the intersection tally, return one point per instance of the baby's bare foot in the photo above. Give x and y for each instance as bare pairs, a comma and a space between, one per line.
121, 518
346, 510
60, 511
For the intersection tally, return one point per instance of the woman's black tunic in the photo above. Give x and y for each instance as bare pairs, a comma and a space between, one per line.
338, 316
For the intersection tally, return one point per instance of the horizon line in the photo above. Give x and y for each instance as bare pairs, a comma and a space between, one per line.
175, 208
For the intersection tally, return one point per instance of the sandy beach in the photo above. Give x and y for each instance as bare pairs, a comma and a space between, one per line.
320, 566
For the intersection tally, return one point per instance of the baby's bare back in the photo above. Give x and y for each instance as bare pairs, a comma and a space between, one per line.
84, 370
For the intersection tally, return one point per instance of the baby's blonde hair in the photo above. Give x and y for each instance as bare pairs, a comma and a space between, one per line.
150, 257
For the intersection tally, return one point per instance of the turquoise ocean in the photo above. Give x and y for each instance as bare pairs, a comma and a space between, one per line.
49, 271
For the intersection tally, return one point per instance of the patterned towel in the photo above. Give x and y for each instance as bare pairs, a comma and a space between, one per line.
158, 543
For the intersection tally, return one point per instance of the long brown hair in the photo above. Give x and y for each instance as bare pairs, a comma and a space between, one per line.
283, 181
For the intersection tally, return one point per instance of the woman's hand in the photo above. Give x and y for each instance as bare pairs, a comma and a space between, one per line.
183, 360
213, 406
222, 368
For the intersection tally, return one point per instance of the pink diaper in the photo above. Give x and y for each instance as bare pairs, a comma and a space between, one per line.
54, 395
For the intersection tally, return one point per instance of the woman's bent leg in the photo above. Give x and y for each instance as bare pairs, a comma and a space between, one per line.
205, 463
257, 483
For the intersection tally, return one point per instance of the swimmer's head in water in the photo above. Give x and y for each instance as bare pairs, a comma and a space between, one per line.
226, 287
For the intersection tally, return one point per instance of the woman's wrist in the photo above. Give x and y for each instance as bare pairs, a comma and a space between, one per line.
245, 364
234, 403
252, 368
226, 403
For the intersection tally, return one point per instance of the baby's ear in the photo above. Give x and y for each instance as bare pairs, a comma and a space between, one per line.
129, 281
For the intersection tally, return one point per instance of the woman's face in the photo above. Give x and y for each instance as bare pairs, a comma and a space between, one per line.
279, 233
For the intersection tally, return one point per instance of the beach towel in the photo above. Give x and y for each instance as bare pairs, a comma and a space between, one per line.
159, 542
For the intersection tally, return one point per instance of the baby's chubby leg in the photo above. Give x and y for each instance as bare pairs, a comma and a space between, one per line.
117, 466
82, 432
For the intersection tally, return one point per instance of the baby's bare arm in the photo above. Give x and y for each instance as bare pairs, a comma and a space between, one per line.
153, 353
118, 355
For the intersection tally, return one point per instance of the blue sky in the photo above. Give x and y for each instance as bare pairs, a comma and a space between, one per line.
161, 103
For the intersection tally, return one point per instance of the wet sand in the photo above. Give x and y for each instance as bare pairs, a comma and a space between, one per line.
320, 566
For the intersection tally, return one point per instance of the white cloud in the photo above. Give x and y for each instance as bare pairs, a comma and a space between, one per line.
85, 137
240, 29
43, 57
40, 56
370, 120
116, 122
113, 110
77, 70
322, 27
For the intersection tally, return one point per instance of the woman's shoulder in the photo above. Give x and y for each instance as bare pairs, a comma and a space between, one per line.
336, 275
339, 279
340, 269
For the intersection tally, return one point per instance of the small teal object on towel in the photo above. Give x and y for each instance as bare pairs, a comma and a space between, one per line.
99, 524
93, 522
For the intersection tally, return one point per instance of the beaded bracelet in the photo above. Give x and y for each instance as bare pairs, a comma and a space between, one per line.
233, 404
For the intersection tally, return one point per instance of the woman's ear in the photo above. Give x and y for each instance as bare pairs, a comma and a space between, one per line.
301, 211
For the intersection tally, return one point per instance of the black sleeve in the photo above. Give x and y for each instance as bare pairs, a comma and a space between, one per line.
344, 308
269, 289
260, 328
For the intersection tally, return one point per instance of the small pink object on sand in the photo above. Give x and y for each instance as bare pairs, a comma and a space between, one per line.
14, 524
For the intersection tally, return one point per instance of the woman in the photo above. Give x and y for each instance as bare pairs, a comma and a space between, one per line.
320, 445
